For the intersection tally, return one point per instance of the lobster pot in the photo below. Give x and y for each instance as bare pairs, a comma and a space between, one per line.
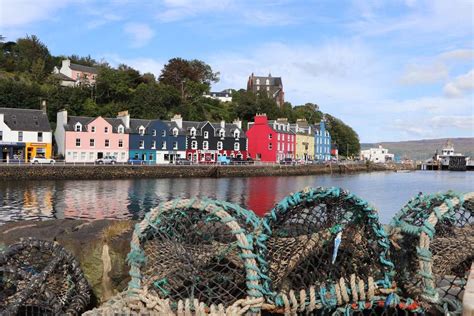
325, 248
196, 254
433, 237
41, 278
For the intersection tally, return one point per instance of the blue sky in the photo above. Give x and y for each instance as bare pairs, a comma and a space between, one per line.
393, 70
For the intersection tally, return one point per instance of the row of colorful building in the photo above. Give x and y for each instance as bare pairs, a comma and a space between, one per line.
25, 134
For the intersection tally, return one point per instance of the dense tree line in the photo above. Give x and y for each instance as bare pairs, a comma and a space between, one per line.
26, 78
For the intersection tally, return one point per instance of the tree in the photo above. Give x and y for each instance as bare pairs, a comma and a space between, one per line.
309, 111
344, 136
152, 101
178, 71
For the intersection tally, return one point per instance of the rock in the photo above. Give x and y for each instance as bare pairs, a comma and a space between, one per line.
99, 246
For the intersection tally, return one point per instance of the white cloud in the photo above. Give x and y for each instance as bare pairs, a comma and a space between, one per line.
268, 18
175, 10
460, 85
458, 54
465, 122
139, 33
424, 74
18, 13
101, 19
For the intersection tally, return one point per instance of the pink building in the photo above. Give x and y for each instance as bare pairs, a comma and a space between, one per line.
85, 139
74, 74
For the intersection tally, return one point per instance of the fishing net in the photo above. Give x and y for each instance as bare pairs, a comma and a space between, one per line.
41, 278
197, 253
433, 248
326, 250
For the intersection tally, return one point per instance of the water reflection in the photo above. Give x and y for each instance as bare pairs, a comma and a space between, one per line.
118, 199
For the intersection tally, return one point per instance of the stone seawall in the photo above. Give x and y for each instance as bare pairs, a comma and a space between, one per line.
101, 172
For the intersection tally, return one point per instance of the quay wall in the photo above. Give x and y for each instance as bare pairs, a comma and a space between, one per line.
107, 172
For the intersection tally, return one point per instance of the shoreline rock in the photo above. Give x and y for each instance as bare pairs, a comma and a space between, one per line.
101, 172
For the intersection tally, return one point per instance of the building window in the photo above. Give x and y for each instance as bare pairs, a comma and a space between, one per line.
258, 81
120, 129
258, 88
205, 145
163, 133
268, 88
153, 145
142, 144
1, 135
163, 145
154, 132
193, 132
120, 144
92, 142
221, 133
123, 156
40, 136
141, 131
194, 144
270, 146
236, 146
270, 136
206, 134
175, 132
106, 129
219, 146
93, 129
267, 82
83, 156
77, 128
107, 143
175, 145
78, 142
236, 134
278, 146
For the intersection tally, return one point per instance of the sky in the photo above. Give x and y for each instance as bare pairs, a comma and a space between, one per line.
393, 70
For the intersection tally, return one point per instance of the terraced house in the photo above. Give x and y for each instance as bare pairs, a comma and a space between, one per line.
85, 139
270, 141
322, 144
24, 134
304, 140
207, 141
157, 141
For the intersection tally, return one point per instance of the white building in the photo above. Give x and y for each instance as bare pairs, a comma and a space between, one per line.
379, 154
223, 96
71, 74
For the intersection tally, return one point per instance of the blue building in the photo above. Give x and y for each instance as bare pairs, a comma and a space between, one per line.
156, 141
322, 142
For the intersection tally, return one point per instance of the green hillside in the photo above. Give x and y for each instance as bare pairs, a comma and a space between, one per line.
425, 148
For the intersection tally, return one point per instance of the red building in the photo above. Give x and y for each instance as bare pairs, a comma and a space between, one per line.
270, 141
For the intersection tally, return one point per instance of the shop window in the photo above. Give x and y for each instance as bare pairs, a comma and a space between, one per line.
1, 135
83, 156
20, 136
91, 156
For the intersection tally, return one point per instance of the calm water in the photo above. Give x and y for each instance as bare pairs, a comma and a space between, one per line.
387, 191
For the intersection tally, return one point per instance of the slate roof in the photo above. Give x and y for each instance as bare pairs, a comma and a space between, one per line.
85, 120
26, 120
172, 125
63, 77
229, 127
273, 81
136, 123
270, 123
82, 68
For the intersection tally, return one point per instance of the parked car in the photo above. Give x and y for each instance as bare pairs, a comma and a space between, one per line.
224, 160
182, 161
109, 160
238, 161
132, 161
287, 161
42, 160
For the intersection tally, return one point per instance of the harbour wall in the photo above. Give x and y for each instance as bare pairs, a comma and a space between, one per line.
108, 172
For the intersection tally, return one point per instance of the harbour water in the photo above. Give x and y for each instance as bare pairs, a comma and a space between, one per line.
120, 199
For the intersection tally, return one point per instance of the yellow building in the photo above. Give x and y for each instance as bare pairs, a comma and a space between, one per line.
304, 140
38, 150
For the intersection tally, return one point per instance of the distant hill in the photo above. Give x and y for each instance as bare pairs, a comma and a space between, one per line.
425, 148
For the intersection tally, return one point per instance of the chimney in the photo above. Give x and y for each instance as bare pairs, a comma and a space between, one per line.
61, 118
43, 106
66, 63
1, 117
125, 117
238, 122
178, 120
222, 124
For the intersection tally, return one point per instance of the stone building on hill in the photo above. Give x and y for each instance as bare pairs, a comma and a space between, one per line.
272, 86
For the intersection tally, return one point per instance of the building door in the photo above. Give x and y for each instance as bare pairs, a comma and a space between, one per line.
100, 155
4, 154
